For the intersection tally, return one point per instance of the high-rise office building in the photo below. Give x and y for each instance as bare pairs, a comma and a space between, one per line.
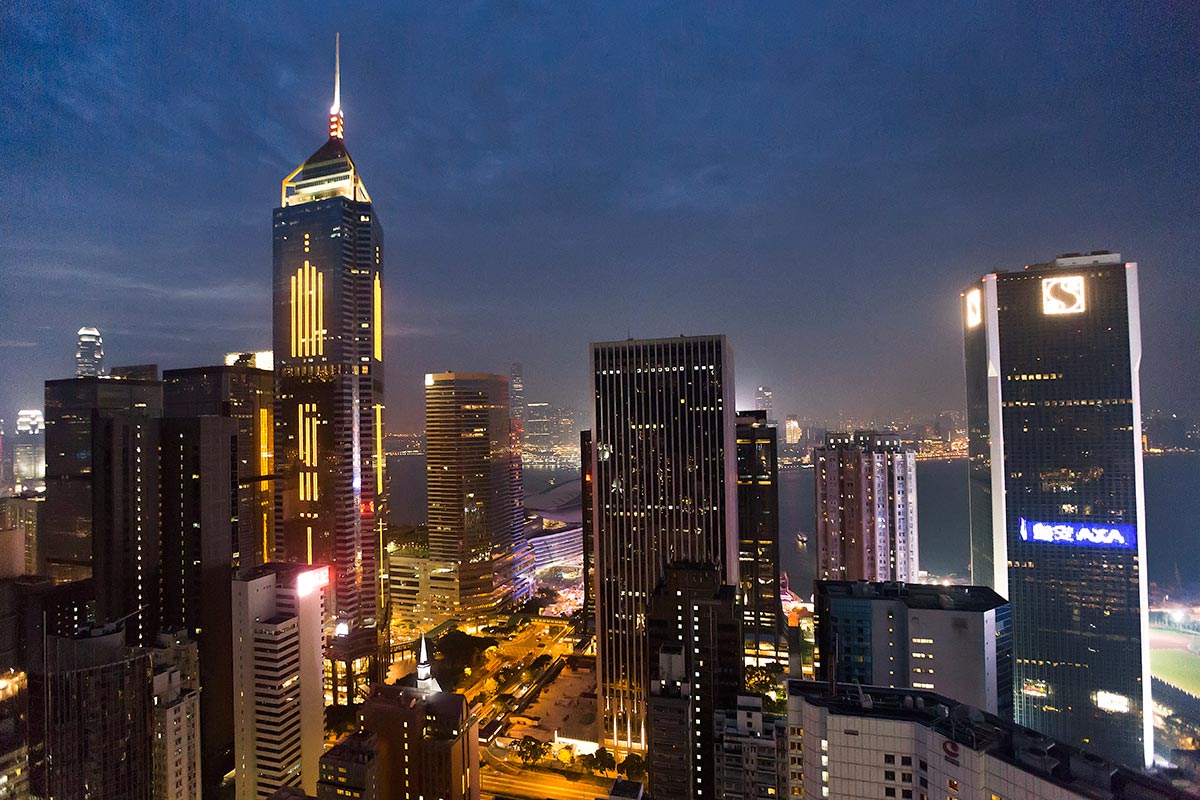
328, 354
245, 392
28, 445
866, 503
792, 432
857, 741
91, 718
279, 722
693, 634
101, 514
955, 640
14, 735
476, 503
423, 592
73, 409
516, 391
426, 739
126, 543
200, 505
764, 400
89, 354
665, 489
758, 540
1053, 353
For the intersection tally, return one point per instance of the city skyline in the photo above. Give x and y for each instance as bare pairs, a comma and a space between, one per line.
226, 555
917, 189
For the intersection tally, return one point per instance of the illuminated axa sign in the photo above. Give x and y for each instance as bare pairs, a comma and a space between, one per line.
1085, 534
1063, 294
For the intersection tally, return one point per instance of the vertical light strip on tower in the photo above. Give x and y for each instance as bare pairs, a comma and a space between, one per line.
378, 447
377, 321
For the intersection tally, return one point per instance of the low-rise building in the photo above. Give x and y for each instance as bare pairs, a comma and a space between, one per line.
953, 640
856, 741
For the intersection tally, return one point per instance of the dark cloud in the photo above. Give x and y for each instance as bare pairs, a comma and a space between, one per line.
818, 181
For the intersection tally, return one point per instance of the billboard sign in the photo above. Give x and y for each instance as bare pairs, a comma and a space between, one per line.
1081, 534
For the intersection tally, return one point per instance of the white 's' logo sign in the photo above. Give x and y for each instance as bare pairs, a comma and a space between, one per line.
1063, 295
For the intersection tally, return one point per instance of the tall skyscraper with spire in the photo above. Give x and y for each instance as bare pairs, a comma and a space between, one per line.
328, 343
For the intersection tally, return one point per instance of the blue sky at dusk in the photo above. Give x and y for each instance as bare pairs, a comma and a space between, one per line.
818, 181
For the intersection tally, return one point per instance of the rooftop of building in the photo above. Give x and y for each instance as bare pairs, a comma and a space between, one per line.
447, 705
278, 568
869, 440
355, 748
1078, 771
235, 369
664, 340
915, 595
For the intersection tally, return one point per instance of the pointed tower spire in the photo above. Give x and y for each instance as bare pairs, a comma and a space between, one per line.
423, 668
336, 121
425, 680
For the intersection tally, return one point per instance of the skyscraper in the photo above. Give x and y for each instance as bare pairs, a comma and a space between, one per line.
476, 503
199, 533
29, 451
695, 643
328, 345
278, 712
758, 539
246, 393
1053, 353
75, 409
91, 718
792, 430
101, 516
89, 354
866, 504
764, 400
516, 391
664, 490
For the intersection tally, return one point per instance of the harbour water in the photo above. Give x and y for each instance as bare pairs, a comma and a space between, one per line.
1172, 514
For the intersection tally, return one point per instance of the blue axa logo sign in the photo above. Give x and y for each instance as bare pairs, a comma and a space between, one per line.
1085, 534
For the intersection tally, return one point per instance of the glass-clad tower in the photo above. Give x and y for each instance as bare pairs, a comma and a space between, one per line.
1057, 516
664, 463
328, 343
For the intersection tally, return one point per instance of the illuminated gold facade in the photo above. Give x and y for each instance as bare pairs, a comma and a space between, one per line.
329, 415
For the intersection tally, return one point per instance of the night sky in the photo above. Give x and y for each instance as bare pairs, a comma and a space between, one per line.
817, 181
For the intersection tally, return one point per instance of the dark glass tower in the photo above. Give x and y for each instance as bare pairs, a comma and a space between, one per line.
758, 537
328, 343
1057, 517
247, 395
